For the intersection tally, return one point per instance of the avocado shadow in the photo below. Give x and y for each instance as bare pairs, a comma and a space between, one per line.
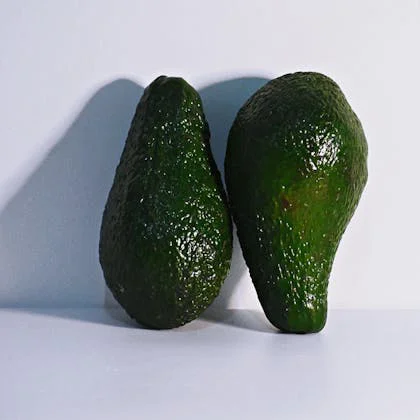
221, 103
49, 230
246, 319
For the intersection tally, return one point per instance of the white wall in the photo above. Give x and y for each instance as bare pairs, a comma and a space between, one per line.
70, 76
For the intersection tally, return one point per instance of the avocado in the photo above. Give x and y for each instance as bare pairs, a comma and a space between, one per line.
295, 168
166, 235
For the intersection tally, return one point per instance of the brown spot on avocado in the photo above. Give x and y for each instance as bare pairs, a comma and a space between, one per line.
285, 203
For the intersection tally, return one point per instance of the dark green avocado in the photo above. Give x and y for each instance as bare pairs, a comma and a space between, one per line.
166, 235
295, 168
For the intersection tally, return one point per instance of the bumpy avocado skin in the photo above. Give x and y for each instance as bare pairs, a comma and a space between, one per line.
295, 168
166, 235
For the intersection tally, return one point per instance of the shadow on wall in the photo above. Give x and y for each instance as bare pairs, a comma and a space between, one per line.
49, 231
221, 102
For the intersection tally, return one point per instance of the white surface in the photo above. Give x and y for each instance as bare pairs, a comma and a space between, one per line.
90, 364
72, 72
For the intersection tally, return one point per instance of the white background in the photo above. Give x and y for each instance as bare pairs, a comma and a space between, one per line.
72, 72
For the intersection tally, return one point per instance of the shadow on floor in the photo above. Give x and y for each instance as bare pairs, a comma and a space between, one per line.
247, 319
115, 316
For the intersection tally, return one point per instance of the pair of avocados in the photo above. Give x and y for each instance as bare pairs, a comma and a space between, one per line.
295, 168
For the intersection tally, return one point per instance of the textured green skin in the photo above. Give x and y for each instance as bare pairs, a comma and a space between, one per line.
166, 236
295, 168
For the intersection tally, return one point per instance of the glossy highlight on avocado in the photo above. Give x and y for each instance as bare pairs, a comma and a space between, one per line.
166, 235
295, 168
